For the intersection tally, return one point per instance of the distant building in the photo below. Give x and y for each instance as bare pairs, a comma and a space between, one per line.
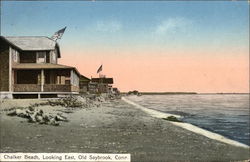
93, 87
115, 91
84, 84
29, 68
103, 85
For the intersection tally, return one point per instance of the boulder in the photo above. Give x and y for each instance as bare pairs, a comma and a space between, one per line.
32, 118
46, 118
22, 113
54, 122
60, 118
39, 119
29, 112
40, 112
31, 108
12, 113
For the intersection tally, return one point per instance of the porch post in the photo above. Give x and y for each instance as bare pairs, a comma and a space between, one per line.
42, 79
71, 77
10, 69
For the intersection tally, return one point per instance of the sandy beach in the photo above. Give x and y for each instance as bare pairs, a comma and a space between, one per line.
113, 127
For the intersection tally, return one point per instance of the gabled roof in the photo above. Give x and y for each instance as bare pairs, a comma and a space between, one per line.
82, 77
103, 80
30, 66
33, 43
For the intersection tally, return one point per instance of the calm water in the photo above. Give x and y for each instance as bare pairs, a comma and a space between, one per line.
227, 115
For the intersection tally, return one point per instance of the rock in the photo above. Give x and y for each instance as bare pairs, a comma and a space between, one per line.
172, 118
12, 113
32, 118
18, 111
39, 119
28, 137
39, 136
40, 112
22, 113
46, 118
101, 99
38, 116
29, 112
30, 108
60, 118
54, 122
81, 99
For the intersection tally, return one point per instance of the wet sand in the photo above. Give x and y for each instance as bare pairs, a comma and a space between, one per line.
115, 127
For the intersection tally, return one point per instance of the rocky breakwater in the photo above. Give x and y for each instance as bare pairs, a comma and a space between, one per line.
38, 116
35, 113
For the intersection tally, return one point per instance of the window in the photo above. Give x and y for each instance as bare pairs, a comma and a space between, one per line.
67, 80
53, 57
41, 57
47, 57
15, 55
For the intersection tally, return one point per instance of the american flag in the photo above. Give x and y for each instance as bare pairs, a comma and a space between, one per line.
99, 69
58, 34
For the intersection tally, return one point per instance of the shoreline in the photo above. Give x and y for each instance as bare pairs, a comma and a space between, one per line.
187, 93
113, 127
187, 126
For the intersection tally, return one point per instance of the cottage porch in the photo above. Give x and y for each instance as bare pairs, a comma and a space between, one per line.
44, 80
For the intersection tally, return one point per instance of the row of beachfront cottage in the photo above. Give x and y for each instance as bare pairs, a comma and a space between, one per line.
29, 69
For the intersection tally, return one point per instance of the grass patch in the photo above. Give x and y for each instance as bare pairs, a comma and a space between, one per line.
172, 118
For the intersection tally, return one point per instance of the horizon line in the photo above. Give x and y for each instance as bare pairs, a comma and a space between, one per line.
180, 92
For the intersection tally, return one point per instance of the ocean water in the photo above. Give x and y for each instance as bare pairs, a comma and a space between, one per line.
226, 114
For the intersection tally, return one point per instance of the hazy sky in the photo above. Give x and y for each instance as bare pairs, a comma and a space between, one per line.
148, 46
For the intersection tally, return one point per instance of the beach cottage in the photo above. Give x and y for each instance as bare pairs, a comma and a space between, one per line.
29, 68
103, 84
84, 84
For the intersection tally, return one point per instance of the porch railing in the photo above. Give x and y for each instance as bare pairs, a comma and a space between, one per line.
56, 88
46, 88
27, 88
59, 88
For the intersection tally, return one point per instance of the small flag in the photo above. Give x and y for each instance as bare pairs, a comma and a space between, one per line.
99, 69
58, 34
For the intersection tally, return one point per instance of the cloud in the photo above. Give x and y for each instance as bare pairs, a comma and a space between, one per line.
172, 25
108, 26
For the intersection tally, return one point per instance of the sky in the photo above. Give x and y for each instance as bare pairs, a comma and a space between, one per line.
154, 46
